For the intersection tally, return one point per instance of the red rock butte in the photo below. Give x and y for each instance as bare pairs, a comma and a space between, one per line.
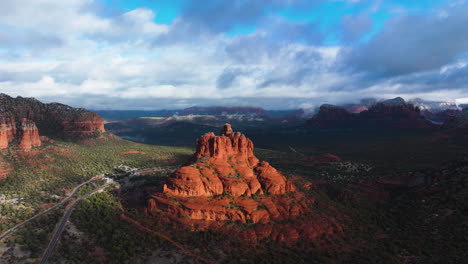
225, 181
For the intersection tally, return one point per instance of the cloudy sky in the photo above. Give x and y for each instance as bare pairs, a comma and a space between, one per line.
277, 54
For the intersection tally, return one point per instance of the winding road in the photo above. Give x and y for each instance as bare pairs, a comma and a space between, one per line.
61, 225
64, 201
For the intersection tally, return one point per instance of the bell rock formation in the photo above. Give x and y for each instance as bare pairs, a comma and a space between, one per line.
225, 181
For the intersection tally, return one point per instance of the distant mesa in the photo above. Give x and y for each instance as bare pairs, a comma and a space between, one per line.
224, 181
457, 124
398, 101
332, 116
394, 113
26, 122
441, 116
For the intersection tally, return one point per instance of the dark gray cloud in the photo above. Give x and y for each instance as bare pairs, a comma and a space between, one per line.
414, 43
302, 64
222, 16
228, 77
454, 78
273, 35
354, 27
200, 22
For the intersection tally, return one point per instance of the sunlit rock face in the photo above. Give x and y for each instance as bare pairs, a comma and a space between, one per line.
225, 166
29, 135
24, 120
224, 183
7, 131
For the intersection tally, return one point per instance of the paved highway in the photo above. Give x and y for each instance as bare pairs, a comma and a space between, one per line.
77, 188
61, 226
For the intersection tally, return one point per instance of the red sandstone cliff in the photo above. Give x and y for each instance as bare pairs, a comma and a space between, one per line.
22, 120
29, 135
83, 126
25, 132
7, 131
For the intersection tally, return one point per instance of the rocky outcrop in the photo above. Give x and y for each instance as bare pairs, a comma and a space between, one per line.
393, 113
332, 116
29, 135
25, 132
225, 181
434, 106
7, 131
22, 120
457, 124
442, 116
82, 125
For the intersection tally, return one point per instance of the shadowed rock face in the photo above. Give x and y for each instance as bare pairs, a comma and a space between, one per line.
332, 116
441, 116
224, 182
394, 113
457, 124
23, 119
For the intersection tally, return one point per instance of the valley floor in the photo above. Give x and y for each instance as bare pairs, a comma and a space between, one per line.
401, 198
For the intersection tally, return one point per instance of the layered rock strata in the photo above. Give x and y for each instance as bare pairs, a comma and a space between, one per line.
225, 181
22, 120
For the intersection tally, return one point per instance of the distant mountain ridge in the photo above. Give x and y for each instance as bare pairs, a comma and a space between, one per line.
122, 115
458, 123
434, 106
392, 113
222, 110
